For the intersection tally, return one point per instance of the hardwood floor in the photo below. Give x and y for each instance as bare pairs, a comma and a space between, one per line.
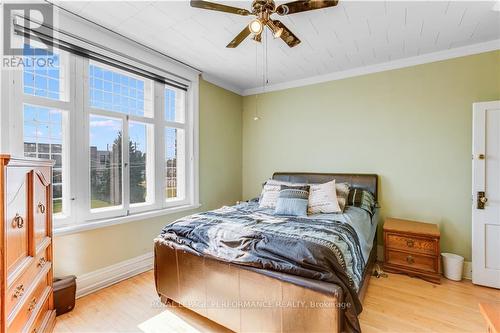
394, 304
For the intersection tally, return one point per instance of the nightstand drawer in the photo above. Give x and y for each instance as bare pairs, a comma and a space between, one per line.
412, 244
413, 261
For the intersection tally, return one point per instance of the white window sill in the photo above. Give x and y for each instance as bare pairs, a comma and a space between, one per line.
91, 225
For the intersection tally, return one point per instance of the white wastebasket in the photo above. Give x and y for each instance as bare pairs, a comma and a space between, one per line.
453, 265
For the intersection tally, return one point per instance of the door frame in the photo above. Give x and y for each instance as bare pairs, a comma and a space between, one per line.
479, 183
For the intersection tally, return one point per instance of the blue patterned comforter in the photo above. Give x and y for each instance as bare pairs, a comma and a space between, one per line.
325, 248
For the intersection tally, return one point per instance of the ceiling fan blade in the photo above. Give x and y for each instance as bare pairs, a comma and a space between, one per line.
219, 7
287, 36
303, 6
238, 39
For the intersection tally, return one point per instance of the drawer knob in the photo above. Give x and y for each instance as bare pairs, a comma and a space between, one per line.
41, 262
410, 260
18, 221
41, 208
19, 291
410, 242
32, 304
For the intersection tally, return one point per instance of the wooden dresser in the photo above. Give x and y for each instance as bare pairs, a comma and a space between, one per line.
26, 234
412, 248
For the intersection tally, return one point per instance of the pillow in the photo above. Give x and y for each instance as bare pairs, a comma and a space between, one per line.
342, 190
270, 193
271, 189
292, 200
323, 198
363, 199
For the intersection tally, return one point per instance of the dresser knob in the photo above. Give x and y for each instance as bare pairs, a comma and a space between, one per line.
41, 208
41, 262
17, 221
410, 242
32, 304
410, 260
19, 291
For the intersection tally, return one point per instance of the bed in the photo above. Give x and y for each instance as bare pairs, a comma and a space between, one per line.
270, 293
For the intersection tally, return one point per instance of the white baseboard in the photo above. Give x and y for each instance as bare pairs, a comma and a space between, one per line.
467, 273
104, 277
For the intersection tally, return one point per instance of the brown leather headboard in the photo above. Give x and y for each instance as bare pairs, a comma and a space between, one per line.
363, 181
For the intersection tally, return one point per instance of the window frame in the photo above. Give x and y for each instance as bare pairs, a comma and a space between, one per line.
68, 107
185, 126
76, 161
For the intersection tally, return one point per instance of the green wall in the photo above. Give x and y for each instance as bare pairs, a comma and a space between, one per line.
220, 184
411, 126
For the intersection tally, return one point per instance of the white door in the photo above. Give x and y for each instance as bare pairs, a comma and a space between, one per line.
486, 194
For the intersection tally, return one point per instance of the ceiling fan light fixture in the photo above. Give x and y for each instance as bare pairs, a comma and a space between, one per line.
257, 38
255, 26
277, 34
277, 31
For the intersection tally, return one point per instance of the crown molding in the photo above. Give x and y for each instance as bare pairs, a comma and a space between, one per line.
381, 67
222, 83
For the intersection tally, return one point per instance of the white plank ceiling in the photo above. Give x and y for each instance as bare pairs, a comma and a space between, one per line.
351, 35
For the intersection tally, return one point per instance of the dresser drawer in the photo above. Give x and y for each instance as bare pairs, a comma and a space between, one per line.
412, 244
36, 325
413, 261
29, 308
17, 289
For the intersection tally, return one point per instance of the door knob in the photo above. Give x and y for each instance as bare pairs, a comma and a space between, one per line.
481, 200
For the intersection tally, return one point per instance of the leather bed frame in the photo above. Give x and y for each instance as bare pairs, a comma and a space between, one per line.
247, 299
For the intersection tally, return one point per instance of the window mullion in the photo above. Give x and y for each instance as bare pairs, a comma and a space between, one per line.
69, 130
126, 165
81, 139
175, 125
16, 146
145, 120
51, 103
160, 158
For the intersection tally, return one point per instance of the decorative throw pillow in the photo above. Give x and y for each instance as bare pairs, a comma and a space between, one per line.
292, 201
363, 199
323, 198
342, 194
270, 193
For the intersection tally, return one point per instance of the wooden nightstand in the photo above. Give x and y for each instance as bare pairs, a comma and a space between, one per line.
412, 248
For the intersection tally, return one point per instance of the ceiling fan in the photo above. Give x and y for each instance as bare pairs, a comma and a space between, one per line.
263, 9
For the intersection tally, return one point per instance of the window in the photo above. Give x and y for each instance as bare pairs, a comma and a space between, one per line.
105, 144
121, 131
118, 92
175, 159
44, 114
47, 81
122, 143
43, 139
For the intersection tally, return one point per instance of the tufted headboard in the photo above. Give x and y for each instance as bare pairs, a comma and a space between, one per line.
363, 181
